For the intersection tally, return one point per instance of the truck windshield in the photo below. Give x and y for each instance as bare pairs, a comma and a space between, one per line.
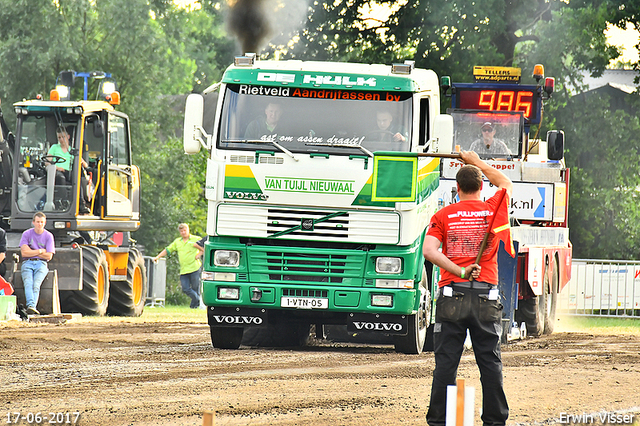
315, 120
491, 135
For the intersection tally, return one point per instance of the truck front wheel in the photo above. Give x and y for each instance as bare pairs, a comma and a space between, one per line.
539, 312
414, 342
530, 312
551, 289
226, 337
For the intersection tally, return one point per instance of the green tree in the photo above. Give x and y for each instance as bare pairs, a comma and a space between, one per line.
604, 217
451, 37
154, 49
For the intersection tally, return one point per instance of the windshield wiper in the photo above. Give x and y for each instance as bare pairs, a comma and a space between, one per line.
274, 143
342, 145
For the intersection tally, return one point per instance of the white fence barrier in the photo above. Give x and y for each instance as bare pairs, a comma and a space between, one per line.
602, 288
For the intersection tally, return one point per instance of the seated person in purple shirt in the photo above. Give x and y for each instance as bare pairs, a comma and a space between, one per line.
37, 248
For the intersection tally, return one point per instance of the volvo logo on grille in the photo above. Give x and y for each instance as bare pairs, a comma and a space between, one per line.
377, 326
246, 195
237, 319
306, 224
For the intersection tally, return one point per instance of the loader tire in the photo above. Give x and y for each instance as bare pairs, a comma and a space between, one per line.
128, 297
94, 296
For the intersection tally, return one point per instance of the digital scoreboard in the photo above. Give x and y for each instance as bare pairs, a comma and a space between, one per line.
499, 97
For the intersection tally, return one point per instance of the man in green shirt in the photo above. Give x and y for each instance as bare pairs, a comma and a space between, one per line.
188, 257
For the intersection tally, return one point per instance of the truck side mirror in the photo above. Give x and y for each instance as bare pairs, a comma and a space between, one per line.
555, 145
442, 138
193, 116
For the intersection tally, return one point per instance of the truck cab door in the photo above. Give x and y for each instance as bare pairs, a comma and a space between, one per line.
122, 178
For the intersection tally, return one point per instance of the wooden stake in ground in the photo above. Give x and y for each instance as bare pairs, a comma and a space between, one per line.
460, 402
208, 419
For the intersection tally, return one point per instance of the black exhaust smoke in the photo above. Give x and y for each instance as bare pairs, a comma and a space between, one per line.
249, 22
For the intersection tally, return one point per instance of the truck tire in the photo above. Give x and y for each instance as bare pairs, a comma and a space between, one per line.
226, 337
94, 296
278, 335
414, 342
551, 289
532, 314
128, 297
429, 344
532, 311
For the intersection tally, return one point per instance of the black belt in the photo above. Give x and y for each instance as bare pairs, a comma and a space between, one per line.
473, 285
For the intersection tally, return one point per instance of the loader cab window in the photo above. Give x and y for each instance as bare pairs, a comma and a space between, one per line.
119, 182
93, 140
118, 141
40, 185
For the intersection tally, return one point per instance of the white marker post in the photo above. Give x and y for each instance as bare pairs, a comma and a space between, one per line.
460, 405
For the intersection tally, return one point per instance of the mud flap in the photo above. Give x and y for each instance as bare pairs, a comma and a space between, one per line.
378, 323
236, 317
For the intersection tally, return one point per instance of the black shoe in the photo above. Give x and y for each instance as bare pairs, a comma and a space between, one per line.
32, 311
83, 209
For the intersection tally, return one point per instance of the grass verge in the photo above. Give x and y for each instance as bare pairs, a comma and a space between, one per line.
598, 325
170, 313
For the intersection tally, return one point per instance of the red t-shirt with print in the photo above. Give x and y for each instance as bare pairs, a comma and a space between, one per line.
464, 224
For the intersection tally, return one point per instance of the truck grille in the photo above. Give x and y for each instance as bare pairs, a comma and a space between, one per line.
350, 226
282, 220
305, 265
297, 292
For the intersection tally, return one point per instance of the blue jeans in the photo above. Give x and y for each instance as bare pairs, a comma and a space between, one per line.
191, 287
33, 274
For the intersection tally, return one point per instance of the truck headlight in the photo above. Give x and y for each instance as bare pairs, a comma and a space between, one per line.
228, 293
385, 300
388, 265
230, 258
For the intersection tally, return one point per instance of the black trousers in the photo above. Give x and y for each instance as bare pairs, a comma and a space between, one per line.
471, 314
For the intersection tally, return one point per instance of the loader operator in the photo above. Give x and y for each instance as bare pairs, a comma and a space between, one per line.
462, 305
63, 169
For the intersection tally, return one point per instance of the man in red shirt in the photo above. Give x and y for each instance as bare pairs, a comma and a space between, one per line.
461, 304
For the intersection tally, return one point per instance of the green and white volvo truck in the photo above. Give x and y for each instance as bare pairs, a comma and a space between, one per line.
303, 228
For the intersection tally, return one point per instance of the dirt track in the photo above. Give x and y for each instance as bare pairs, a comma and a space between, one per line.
134, 373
